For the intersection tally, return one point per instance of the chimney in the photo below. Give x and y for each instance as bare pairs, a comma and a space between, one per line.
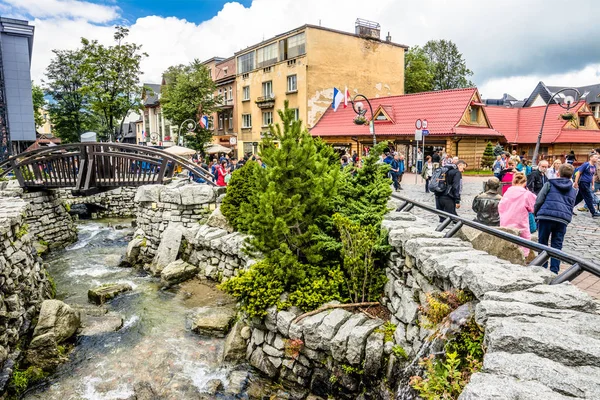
388, 38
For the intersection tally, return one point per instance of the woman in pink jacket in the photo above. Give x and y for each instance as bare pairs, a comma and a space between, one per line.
515, 206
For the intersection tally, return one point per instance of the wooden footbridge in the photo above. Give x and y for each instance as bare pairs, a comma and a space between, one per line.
90, 168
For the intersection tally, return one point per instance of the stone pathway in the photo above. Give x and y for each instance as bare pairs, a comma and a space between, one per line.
583, 234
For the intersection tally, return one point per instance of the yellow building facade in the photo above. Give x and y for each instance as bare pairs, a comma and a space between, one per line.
303, 66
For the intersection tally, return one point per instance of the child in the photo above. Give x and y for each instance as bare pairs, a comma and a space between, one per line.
554, 210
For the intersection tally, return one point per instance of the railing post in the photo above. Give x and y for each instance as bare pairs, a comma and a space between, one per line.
540, 260
401, 206
443, 224
453, 230
573, 272
409, 207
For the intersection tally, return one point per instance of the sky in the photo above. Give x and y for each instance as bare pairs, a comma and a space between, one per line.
510, 45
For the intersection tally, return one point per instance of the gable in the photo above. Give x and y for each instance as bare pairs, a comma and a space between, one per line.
538, 101
384, 114
474, 114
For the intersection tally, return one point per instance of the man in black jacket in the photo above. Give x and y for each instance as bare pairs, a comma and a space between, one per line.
449, 201
537, 178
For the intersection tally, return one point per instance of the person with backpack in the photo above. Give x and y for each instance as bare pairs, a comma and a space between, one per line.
584, 178
446, 184
554, 210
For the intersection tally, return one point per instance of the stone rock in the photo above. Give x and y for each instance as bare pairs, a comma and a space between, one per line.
340, 340
234, 348
487, 386
144, 391
260, 361
100, 324
40, 248
102, 294
212, 321
374, 354
197, 194
176, 272
218, 220
56, 319
258, 337
213, 386
580, 382
147, 193
246, 332
236, 382
272, 351
330, 325
493, 245
310, 328
358, 338
284, 319
133, 250
406, 307
168, 249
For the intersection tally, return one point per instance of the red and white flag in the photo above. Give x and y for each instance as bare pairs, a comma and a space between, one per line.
346, 97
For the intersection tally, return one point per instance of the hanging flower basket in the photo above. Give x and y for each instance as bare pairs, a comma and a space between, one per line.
360, 120
568, 116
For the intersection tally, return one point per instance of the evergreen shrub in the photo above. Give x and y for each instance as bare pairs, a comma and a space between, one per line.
488, 156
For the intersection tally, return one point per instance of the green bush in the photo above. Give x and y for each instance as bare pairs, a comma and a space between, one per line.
488, 156
318, 288
240, 190
22, 379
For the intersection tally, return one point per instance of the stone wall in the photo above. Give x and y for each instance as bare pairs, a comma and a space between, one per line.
116, 203
23, 282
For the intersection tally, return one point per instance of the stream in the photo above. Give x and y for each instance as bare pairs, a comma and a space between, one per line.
152, 346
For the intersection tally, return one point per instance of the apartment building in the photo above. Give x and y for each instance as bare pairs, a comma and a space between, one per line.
223, 122
303, 66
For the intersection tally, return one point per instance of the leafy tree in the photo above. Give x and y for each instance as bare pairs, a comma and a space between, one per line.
448, 66
111, 79
488, 156
498, 150
37, 93
418, 71
69, 108
187, 94
240, 190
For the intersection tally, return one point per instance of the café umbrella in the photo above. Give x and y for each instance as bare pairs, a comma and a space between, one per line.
217, 148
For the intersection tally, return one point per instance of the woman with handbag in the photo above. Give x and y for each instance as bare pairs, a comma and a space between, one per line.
515, 208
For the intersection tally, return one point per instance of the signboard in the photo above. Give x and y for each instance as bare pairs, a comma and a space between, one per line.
418, 124
418, 134
424, 123
425, 132
232, 140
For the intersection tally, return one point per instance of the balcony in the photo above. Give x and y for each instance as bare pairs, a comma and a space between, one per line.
265, 101
225, 104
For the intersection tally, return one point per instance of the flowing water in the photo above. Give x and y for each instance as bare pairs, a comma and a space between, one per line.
153, 345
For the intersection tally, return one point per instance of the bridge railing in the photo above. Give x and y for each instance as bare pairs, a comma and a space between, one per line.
87, 166
577, 264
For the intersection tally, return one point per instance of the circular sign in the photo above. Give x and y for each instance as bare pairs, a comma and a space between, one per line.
418, 124
232, 140
424, 124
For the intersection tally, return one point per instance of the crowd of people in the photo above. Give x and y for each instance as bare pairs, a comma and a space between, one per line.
222, 166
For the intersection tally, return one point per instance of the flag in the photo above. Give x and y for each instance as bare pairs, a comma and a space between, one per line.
204, 122
346, 97
338, 97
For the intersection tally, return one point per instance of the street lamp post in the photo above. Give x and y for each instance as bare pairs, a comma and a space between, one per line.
359, 109
567, 103
191, 126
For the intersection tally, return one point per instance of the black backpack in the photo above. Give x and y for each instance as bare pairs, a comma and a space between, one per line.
438, 183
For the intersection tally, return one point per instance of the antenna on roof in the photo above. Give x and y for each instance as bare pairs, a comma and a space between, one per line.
319, 22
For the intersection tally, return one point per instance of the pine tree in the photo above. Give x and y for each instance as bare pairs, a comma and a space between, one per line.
240, 190
498, 150
488, 156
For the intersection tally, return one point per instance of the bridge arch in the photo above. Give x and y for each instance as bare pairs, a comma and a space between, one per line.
94, 167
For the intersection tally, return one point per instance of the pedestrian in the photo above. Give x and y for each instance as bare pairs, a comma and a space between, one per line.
419, 161
222, 171
344, 162
354, 157
395, 171
570, 158
515, 206
584, 178
427, 172
435, 159
537, 179
553, 211
497, 167
528, 168
506, 176
389, 157
449, 200
552, 173
514, 157
504, 157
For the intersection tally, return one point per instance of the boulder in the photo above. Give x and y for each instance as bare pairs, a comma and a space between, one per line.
144, 391
133, 250
330, 325
494, 245
218, 220
260, 361
357, 340
484, 386
103, 293
340, 340
168, 249
212, 321
234, 349
100, 324
176, 272
213, 386
374, 353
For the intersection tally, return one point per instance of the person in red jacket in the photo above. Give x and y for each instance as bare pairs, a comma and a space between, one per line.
222, 170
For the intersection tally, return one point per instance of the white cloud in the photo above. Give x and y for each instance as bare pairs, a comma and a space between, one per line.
66, 8
509, 44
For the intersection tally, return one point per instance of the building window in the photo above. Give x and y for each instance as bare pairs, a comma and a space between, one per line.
473, 114
596, 111
224, 95
266, 70
296, 114
230, 93
267, 88
248, 148
246, 121
581, 121
246, 62
267, 55
267, 118
291, 63
220, 122
245, 76
292, 85
225, 71
211, 124
246, 93
231, 120
293, 46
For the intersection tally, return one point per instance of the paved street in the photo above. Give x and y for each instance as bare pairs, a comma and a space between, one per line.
583, 234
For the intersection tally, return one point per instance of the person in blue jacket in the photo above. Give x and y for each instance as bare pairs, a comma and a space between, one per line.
554, 210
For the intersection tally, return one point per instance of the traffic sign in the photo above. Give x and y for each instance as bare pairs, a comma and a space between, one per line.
418, 124
424, 124
232, 140
425, 132
418, 134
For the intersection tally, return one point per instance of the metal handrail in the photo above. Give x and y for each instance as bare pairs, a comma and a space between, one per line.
578, 264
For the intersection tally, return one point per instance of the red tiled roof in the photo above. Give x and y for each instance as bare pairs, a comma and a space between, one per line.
522, 125
442, 110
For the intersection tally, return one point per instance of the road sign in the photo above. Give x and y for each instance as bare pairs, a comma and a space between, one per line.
425, 132
424, 123
418, 134
418, 124
232, 140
